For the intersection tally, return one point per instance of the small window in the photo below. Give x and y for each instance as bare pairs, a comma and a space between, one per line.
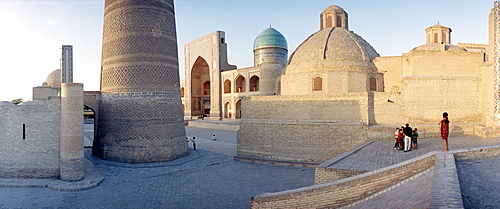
339, 21
329, 21
221, 40
373, 84
317, 84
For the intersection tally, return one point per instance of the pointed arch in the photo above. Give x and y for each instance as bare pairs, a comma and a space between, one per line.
227, 86
227, 110
254, 83
238, 109
200, 92
240, 84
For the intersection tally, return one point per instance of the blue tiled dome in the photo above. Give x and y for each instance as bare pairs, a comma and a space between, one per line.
270, 37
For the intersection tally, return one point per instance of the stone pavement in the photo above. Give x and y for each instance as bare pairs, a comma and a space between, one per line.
411, 193
480, 182
209, 178
204, 179
380, 154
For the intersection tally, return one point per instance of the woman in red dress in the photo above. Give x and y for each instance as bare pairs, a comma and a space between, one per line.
445, 130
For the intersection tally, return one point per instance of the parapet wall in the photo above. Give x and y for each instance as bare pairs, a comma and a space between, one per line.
30, 139
346, 191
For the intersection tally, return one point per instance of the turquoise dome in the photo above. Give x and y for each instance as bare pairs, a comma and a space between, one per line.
270, 37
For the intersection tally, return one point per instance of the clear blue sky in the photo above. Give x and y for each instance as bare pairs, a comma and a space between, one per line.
32, 31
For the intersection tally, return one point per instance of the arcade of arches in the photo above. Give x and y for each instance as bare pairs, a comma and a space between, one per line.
201, 93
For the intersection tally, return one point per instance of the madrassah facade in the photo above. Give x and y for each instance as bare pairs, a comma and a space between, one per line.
335, 92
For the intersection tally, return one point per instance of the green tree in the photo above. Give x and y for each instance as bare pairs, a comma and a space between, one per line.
17, 101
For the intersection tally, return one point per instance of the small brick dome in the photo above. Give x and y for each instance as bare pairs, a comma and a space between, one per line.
54, 78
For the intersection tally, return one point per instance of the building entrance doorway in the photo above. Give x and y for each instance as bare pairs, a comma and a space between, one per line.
200, 88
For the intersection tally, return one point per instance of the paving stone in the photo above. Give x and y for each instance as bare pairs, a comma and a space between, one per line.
205, 179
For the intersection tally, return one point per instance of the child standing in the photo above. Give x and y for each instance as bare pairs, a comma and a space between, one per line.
401, 143
396, 137
414, 139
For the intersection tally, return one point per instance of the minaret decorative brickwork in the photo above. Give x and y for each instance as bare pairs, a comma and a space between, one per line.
140, 114
67, 64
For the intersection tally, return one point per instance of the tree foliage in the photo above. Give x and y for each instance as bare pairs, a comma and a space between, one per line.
17, 101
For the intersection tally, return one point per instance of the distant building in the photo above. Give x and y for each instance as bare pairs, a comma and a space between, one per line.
212, 88
337, 93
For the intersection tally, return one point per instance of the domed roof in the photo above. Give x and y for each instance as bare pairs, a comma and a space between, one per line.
54, 78
270, 37
439, 47
333, 8
332, 48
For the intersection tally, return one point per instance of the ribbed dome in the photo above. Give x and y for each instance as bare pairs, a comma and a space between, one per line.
332, 49
54, 78
270, 37
438, 47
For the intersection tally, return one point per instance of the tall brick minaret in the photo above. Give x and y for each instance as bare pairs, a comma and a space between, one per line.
140, 113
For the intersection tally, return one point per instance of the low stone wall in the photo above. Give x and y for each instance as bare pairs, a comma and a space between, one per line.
465, 154
213, 125
323, 174
445, 191
346, 191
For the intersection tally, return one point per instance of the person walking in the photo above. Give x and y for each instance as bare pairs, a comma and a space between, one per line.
445, 130
194, 143
407, 131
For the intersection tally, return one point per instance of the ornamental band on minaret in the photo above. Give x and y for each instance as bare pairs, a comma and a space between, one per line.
140, 113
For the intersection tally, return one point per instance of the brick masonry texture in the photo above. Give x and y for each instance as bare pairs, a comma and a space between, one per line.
36, 156
140, 113
346, 191
302, 128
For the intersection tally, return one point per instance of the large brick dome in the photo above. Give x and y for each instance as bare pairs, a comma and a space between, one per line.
332, 48
332, 60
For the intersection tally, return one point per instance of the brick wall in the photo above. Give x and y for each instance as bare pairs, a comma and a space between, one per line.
302, 128
346, 191
324, 175
36, 156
